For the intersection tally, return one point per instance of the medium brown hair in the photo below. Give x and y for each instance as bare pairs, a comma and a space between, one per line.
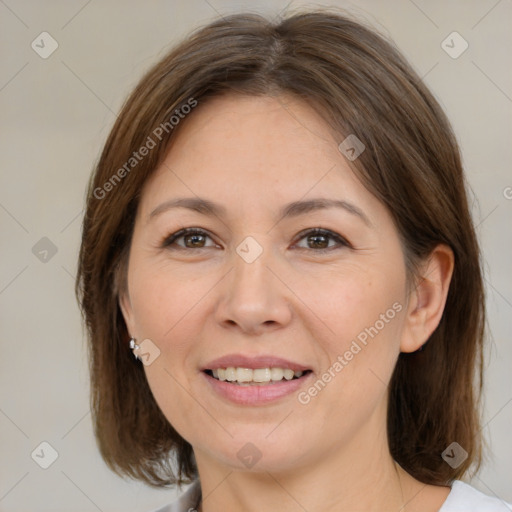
361, 85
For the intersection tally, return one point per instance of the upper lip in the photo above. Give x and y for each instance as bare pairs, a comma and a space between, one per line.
253, 362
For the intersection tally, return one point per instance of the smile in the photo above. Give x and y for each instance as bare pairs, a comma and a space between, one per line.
257, 376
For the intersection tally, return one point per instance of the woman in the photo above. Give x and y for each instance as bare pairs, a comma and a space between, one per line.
278, 230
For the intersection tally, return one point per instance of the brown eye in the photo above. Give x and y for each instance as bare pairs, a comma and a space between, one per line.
193, 238
318, 239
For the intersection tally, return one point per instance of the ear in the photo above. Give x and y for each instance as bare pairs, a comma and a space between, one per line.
126, 310
427, 299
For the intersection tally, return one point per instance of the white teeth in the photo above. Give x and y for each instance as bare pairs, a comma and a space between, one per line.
259, 375
244, 374
288, 374
276, 374
230, 374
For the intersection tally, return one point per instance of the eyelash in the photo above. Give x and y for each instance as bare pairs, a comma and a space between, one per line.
171, 239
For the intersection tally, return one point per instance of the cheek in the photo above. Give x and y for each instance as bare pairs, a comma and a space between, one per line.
167, 307
361, 357
358, 302
164, 301
168, 390
364, 313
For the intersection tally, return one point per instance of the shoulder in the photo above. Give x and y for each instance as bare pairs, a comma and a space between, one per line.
465, 498
187, 502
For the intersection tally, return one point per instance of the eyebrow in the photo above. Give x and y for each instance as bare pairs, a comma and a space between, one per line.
294, 209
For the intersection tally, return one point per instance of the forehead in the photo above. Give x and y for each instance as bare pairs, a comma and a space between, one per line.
280, 128
245, 150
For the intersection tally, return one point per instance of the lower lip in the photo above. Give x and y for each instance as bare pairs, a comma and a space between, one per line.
255, 394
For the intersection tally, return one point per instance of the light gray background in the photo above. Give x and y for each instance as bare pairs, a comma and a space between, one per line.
56, 114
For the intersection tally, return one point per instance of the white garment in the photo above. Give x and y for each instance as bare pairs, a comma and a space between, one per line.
462, 498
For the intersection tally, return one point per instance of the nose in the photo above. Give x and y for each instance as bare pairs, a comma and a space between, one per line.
253, 297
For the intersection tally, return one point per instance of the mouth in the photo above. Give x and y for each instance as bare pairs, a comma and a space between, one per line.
256, 379
255, 376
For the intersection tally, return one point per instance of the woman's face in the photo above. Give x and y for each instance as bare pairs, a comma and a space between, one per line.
257, 289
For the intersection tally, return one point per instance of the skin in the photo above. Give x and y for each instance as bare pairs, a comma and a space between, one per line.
253, 155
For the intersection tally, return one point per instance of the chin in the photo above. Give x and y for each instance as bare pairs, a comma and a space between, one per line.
256, 453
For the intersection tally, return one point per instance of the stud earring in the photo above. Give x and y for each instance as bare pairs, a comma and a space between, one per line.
134, 348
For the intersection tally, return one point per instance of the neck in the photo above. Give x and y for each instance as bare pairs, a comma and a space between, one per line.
265, 491
362, 477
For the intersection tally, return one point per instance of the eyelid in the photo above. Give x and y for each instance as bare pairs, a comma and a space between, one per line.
170, 239
342, 241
